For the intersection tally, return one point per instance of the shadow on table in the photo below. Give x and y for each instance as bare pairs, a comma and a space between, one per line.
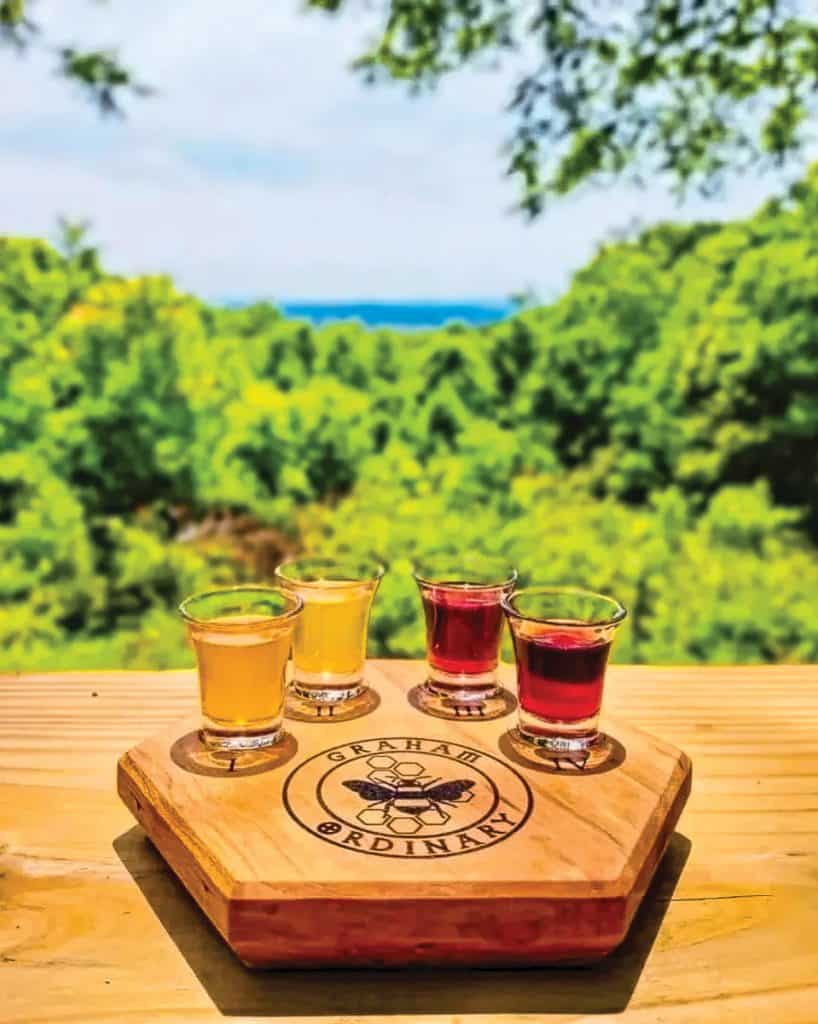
605, 987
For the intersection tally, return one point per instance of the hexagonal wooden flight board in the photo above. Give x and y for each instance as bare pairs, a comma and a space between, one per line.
396, 838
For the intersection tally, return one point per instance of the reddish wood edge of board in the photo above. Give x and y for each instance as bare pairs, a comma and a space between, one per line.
405, 931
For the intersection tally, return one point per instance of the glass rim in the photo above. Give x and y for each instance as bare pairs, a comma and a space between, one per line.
373, 571
293, 605
619, 612
426, 574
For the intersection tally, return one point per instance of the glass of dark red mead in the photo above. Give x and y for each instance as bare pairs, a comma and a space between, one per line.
562, 638
462, 604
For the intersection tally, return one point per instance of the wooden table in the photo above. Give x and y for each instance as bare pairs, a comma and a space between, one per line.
93, 926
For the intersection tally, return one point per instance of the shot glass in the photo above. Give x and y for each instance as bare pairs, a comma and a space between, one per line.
329, 644
242, 637
464, 623
562, 638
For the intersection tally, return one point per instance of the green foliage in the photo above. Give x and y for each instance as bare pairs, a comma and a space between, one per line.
99, 73
101, 76
651, 433
688, 90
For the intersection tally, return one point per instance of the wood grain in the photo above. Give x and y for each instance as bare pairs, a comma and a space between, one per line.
93, 927
535, 865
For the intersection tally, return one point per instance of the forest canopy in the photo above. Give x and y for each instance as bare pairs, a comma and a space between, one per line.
652, 433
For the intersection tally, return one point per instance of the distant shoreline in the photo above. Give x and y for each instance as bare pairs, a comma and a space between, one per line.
417, 314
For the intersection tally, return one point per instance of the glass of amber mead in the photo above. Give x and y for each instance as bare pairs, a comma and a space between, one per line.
329, 645
242, 637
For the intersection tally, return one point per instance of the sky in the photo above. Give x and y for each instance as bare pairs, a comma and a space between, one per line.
263, 167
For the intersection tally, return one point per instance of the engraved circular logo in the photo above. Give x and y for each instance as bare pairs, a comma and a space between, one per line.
407, 797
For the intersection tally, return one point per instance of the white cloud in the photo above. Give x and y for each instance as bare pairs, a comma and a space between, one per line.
263, 166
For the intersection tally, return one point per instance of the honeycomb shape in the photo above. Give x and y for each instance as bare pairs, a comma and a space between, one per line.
381, 761
434, 816
373, 816
405, 826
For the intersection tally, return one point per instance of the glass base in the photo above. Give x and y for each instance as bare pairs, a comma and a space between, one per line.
461, 684
308, 703
322, 688
560, 744
216, 740
602, 755
559, 737
463, 701
194, 754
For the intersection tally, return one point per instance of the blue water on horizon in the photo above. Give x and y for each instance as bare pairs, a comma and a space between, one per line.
409, 314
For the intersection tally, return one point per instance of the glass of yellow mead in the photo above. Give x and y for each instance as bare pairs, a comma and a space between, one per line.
329, 644
242, 637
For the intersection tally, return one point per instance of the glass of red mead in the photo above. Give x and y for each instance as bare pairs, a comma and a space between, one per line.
562, 638
462, 604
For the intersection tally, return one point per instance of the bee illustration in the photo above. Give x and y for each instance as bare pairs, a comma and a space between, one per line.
410, 797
